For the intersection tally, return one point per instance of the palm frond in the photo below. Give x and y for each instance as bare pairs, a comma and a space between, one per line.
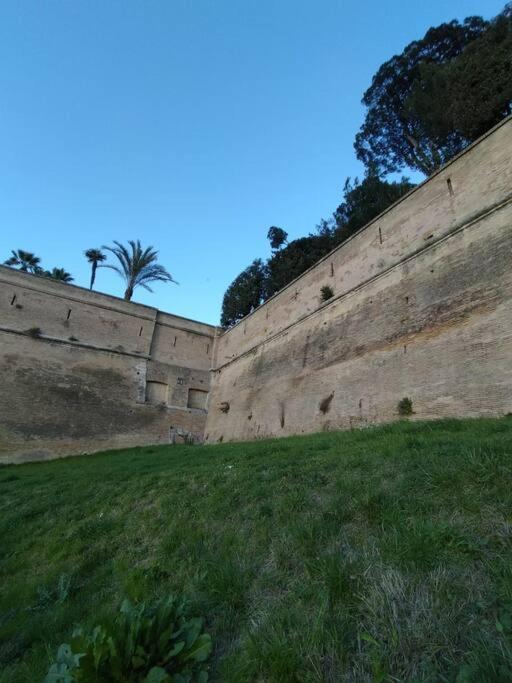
137, 265
112, 267
94, 255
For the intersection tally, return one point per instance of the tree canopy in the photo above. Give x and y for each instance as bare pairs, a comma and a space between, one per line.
438, 95
137, 266
393, 136
362, 201
95, 257
277, 237
30, 263
244, 294
24, 260
473, 91
58, 274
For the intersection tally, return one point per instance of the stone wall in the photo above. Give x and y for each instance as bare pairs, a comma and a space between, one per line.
422, 308
83, 371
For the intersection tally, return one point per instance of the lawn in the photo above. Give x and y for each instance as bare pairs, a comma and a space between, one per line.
376, 555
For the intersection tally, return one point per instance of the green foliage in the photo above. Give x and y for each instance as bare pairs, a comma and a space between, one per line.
244, 294
66, 666
58, 274
295, 548
95, 258
393, 136
29, 263
470, 93
24, 260
491, 660
326, 293
364, 200
405, 406
423, 107
294, 259
34, 332
277, 237
137, 266
146, 644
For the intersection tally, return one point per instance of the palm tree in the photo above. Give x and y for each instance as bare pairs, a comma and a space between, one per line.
58, 274
137, 266
24, 260
94, 256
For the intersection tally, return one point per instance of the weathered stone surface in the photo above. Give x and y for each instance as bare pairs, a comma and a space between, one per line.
422, 308
76, 368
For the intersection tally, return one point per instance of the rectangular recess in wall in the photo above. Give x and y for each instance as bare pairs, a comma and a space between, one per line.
156, 392
174, 342
450, 186
69, 314
197, 399
380, 235
13, 300
140, 332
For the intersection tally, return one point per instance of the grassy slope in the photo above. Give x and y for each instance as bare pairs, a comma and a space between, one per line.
383, 554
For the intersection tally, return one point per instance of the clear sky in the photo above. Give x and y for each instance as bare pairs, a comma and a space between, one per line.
193, 125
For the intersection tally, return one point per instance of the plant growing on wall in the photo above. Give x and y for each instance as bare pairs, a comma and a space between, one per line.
362, 201
34, 332
405, 407
326, 293
137, 266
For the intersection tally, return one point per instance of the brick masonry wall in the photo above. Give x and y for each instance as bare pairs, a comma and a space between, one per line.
422, 309
77, 368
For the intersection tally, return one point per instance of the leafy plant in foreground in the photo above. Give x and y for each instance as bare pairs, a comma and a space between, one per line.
142, 644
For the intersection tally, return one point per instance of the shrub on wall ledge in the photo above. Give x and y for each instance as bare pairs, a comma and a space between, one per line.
326, 293
405, 407
34, 332
144, 644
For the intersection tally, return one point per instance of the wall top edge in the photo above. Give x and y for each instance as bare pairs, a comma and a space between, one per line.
164, 318
74, 292
507, 120
335, 299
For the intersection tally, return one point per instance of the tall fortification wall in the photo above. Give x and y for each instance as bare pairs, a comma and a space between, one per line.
83, 371
422, 308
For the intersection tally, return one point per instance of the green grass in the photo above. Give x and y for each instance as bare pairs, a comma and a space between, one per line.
375, 555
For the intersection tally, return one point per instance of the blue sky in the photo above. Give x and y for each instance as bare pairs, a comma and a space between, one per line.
193, 125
